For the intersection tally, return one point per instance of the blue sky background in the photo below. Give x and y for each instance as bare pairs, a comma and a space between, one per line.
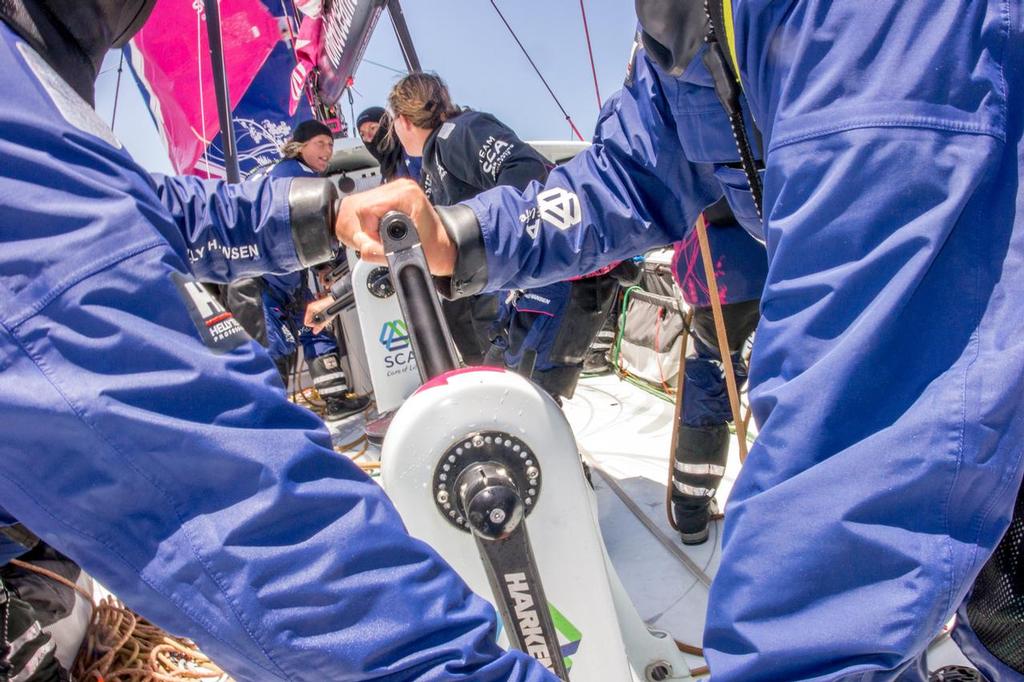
466, 43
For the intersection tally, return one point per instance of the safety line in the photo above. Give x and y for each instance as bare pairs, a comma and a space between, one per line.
590, 51
666, 542
724, 351
539, 74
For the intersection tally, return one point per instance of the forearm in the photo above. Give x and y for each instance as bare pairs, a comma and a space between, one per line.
632, 190
214, 506
269, 226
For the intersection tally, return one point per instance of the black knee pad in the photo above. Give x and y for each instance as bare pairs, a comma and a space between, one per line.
699, 463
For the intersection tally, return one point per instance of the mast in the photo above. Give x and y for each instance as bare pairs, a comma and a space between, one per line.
220, 84
412, 60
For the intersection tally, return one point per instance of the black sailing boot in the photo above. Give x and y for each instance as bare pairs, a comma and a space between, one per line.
330, 382
700, 459
955, 673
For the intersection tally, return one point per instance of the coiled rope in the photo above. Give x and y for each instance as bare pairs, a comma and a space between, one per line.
121, 646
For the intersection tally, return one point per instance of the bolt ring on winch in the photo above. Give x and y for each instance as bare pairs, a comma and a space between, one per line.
379, 283
494, 455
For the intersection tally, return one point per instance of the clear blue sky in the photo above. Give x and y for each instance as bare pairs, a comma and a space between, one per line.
466, 43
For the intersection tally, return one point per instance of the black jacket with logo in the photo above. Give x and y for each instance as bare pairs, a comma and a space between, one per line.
473, 152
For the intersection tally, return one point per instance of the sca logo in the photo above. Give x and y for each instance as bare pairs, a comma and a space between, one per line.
394, 335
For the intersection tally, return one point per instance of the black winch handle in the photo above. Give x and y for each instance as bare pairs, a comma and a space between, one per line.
489, 500
431, 339
336, 273
343, 298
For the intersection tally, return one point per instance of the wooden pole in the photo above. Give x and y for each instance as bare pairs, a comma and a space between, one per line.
723, 338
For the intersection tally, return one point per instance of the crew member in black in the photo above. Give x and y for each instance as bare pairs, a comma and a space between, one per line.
464, 153
374, 126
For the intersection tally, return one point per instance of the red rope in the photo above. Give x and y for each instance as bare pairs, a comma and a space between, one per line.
537, 70
657, 351
590, 51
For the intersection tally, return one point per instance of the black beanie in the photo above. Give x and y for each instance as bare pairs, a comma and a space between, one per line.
307, 130
371, 115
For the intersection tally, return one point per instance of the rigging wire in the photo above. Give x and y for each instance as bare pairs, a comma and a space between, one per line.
537, 71
288, 19
385, 67
117, 89
590, 51
352, 104
202, 104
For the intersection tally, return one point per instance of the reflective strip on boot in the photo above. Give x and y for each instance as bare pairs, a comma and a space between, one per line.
693, 490
329, 378
700, 469
33, 664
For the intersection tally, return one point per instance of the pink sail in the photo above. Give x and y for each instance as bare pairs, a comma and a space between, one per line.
170, 58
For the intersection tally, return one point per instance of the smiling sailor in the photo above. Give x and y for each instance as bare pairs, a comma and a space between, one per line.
307, 154
887, 370
147, 437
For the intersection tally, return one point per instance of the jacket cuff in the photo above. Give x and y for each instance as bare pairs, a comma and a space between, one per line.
312, 205
470, 274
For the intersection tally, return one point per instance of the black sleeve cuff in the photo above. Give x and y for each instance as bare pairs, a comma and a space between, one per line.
311, 204
470, 274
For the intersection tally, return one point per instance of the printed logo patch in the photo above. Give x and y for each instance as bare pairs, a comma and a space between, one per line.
559, 208
218, 329
493, 155
446, 129
394, 335
530, 219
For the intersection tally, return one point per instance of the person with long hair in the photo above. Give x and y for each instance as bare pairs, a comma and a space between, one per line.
467, 152
463, 153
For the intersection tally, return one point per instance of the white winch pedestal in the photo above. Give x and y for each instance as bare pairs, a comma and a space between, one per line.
483, 466
484, 415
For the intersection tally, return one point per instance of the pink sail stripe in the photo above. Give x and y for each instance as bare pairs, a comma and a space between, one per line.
307, 51
175, 59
